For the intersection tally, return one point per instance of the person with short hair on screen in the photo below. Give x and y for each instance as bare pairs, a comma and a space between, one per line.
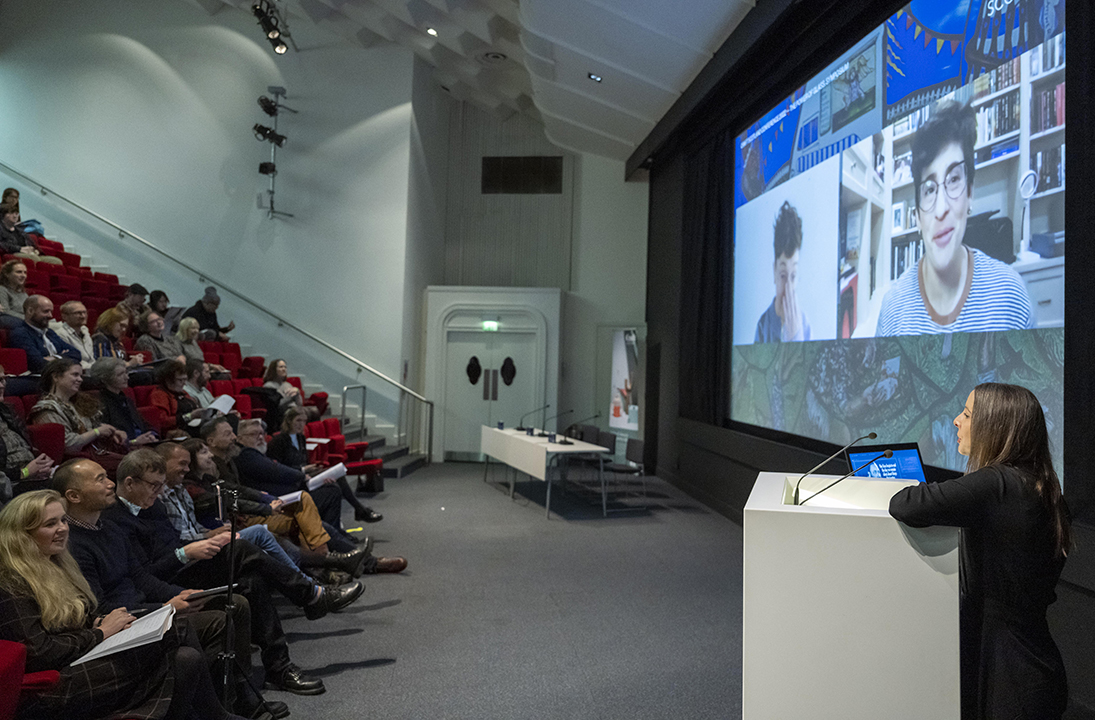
954, 287
783, 321
1015, 537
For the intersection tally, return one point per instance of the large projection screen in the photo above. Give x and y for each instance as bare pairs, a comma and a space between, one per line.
899, 230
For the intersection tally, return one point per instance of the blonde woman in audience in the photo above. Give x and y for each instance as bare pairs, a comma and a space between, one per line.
188, 341
277, 378
48, 606
107, 340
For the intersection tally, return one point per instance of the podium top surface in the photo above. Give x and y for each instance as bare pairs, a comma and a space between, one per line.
773, 492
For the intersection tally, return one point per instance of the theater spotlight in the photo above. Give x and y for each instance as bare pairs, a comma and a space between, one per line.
279, 47
264, 133
267, 20
267, 168
268, 106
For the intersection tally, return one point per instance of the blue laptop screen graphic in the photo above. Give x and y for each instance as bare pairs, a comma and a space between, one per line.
904, 464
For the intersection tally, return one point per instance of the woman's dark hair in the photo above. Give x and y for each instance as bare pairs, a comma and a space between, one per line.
787, 231
53, 370
951, 123
192, 446
1008, 427
291, 414
6, 271
155, 298
272, 370
167, 371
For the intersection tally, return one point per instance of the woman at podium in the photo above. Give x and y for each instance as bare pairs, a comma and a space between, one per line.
1015, 537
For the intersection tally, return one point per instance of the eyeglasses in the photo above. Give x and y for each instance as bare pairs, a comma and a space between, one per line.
954, 184
156, 487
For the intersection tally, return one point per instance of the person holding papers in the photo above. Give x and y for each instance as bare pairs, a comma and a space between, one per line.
1015, 537
168, 395
289, 447
46, 604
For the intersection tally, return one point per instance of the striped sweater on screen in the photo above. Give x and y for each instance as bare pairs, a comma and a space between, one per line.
998, 300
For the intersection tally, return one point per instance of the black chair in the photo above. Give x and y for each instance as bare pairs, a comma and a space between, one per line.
633, 465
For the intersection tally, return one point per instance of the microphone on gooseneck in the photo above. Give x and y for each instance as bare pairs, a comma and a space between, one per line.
521, 422
565, 441
885, 454
543, 431
811, 471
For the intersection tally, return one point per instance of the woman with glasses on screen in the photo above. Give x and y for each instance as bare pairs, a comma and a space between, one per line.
1015, 536
953, 288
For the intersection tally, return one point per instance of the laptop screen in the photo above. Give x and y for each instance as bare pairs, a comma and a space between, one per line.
905, 463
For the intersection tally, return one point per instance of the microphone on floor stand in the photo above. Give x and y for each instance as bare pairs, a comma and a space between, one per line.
886, 454
565, 440
521, 423
543, 431
868, 436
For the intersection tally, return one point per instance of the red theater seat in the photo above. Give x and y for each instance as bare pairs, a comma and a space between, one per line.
50, 439
14, 361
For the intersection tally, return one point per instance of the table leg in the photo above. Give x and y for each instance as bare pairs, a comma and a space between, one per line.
486, 466
548, 502
604, 492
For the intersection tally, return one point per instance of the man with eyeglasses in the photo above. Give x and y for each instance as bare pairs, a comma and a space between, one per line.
953, 288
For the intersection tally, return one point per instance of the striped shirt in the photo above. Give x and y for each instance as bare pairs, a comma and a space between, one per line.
997, 300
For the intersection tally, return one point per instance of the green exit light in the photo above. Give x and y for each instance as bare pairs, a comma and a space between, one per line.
490, 326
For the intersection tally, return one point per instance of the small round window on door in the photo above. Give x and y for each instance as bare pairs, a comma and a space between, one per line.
509, 371
474, 370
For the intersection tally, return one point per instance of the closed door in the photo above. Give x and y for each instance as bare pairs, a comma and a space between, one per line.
490, 377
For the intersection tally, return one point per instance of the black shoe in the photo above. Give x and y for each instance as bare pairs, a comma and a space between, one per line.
329, 576
292, 679
254, 709
366, 544
333, 600
368, 515
348, 562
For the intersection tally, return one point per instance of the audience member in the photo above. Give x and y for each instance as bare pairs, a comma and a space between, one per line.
13, 241
117, 410
277, 378
168, 395
13, 280
62, 403
290, 449
197, 378
143, 525
35, 337
157, 343
22, 466
120, 579
73, 330
48, 605
133, 304
159, 302
205, 312
112, 326
188, 341
10, 194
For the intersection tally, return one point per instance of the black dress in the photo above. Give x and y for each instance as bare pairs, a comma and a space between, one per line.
1011, 668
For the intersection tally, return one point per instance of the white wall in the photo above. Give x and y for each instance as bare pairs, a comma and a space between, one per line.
608, 277
142, 112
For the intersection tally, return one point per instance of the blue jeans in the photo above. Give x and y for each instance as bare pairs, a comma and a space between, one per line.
261, 536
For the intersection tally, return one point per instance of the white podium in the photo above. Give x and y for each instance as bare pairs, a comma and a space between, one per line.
847, 613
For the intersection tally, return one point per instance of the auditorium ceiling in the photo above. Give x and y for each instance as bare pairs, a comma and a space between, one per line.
598, 74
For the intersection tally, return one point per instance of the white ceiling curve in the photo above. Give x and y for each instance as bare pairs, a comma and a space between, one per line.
536, 56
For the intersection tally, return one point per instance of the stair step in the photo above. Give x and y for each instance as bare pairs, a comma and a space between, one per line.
403, 466
390, 453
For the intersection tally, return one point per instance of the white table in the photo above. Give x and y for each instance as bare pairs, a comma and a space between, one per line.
534, 456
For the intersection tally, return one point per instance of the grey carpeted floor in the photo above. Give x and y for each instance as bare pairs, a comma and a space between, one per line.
503, 613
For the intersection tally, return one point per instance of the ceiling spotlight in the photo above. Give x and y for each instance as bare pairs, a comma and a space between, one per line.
594, 77
267, 20
267, 168
268, 106
264, 133
431, 31
279, 47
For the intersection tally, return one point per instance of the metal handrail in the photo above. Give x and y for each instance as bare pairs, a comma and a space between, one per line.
364, 395
204, 277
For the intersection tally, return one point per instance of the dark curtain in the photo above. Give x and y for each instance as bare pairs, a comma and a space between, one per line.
706, 282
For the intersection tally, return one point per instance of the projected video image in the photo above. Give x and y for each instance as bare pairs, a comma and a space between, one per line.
927, 166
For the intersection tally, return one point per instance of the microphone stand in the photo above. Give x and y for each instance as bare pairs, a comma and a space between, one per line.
886, 454
543, 431
229, 661
520, 423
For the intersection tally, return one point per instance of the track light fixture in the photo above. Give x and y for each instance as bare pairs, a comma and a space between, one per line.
268, 168
268, 134
272, 25
270, 107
